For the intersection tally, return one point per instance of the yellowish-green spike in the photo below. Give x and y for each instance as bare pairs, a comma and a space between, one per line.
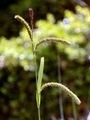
62, 87
20, 19
51, 39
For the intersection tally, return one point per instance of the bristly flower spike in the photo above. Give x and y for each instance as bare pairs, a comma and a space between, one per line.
62, 87
20, 19
51, 39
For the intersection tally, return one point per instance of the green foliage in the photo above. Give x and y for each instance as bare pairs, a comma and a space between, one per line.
19, 52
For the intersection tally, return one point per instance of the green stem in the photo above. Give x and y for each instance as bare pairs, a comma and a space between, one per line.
39, 114
36, 81
35, 66
34, 54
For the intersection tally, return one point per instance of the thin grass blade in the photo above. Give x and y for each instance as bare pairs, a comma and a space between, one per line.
39, 82
40, 74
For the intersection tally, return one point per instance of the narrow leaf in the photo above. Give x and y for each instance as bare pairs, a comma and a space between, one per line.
40, 74
39, 82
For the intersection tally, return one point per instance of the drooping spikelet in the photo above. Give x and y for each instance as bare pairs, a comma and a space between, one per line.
63, 88
52, 39
20, 19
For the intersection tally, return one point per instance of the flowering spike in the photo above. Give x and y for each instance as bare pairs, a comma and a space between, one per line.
51, 39
20, 19
64, 88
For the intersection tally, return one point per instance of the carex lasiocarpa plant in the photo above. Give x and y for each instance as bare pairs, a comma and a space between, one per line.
39, 73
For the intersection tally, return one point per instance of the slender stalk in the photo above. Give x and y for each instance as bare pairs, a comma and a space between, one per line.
39, 118
34, 53
35, 66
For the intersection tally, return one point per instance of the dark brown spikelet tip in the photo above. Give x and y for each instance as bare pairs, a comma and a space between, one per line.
31, 15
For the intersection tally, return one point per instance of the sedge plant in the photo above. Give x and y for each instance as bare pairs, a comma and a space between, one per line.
39, 74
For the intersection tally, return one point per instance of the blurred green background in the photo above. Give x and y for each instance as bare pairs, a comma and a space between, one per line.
66, 19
